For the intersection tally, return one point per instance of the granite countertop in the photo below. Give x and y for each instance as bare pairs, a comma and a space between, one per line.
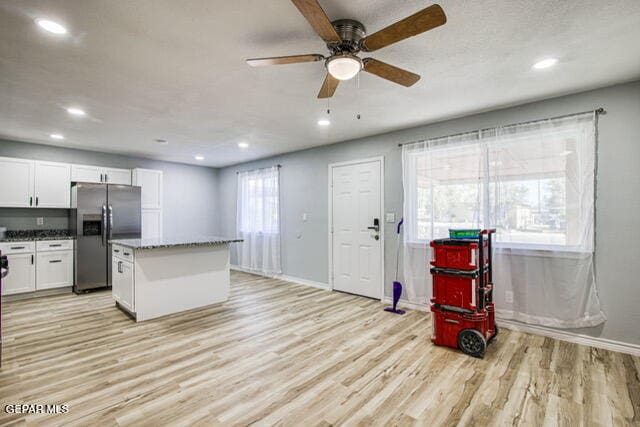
169, 242
30, 235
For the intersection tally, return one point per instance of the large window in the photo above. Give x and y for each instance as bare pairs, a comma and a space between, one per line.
532, 182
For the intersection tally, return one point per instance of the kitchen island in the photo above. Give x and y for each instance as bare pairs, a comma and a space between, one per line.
161, 276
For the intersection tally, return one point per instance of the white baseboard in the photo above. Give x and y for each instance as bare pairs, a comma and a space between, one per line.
572, 337
407, 304
603, 343
287, 278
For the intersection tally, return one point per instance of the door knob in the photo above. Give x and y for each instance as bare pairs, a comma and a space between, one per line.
376, 225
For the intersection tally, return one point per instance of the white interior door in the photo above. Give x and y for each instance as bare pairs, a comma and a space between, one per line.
356, 249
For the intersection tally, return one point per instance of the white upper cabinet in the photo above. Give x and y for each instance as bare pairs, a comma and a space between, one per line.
16, 176
82, 173
151, 183
100, 175
52, 185
117, 176
151, 223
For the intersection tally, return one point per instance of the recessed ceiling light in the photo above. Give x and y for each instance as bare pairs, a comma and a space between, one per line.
52, 27
199, 157
324, 122
243, 145
161, 141
56, 136
76, 112
545, 63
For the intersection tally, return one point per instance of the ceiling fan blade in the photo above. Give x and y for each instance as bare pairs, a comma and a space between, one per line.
277, 60
312, 11
418, 23
389, 72
328, 87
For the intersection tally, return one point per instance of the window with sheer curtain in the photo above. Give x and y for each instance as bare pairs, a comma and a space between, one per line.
258, 220
534, 183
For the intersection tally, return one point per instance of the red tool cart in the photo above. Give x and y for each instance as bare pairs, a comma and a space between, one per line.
462, 303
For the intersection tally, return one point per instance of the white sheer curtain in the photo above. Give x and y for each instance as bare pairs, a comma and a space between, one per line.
533, 182
258, 220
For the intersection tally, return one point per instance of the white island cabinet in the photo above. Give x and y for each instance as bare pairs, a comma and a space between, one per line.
160, 276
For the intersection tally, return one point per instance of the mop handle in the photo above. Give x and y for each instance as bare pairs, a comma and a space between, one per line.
398, 248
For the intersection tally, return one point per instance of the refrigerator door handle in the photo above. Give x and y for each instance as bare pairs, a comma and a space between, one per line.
104, 223
110, 221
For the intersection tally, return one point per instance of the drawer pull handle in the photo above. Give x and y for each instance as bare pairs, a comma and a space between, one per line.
451, 321
17, 247
56, 245
126, 253
116, 250
53, 261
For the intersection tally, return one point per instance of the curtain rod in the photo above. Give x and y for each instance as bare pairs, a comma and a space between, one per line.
597, 111
257, 169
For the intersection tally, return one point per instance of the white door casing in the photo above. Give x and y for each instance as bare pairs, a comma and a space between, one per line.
355, 200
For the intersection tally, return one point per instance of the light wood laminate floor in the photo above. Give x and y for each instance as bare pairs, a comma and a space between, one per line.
285, 354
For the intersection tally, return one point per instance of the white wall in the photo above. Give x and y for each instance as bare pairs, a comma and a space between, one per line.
304, 189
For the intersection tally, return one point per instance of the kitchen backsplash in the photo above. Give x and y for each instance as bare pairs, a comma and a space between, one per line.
27, 219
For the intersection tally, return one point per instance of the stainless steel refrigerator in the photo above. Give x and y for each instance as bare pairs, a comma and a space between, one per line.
100, 212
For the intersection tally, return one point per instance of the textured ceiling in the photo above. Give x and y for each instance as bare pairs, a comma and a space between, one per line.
147, 69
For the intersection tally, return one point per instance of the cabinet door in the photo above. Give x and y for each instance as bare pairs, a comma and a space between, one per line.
151, 223
151, 183
52, 185
54, 269
82, 173
117, 176
123, 283
22, 274
16, 176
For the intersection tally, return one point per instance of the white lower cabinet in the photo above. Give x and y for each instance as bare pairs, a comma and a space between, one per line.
122, 283
54, 269
22, 274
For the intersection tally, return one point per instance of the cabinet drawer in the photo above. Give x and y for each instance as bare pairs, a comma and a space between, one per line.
122, 252
8, 248
54, 245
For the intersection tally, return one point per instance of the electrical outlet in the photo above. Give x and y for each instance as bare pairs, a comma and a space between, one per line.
39, 221
508, 297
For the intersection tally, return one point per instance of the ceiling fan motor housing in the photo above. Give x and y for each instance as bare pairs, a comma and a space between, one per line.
350, 32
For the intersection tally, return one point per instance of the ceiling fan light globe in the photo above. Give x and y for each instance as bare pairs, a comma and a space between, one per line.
344, 67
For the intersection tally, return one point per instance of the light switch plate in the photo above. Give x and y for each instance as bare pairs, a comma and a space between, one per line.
508, 297
304, 217
390, 217
39, 221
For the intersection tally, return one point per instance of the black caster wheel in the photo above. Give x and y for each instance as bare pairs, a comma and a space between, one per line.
494, 335
472, 342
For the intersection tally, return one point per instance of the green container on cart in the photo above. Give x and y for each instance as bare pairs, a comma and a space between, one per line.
465, 233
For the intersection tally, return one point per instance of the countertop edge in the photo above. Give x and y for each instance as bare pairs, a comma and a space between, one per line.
172, 245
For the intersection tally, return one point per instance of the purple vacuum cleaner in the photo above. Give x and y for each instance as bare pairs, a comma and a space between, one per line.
397, 286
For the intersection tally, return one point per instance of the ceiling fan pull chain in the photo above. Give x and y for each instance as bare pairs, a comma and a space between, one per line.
358, 95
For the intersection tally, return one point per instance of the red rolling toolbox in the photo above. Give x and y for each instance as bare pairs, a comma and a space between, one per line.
462, 303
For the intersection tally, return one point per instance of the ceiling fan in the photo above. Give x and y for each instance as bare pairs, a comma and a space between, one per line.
345, 38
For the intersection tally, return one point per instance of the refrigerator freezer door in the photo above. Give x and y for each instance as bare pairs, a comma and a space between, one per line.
91, 248
124, 215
